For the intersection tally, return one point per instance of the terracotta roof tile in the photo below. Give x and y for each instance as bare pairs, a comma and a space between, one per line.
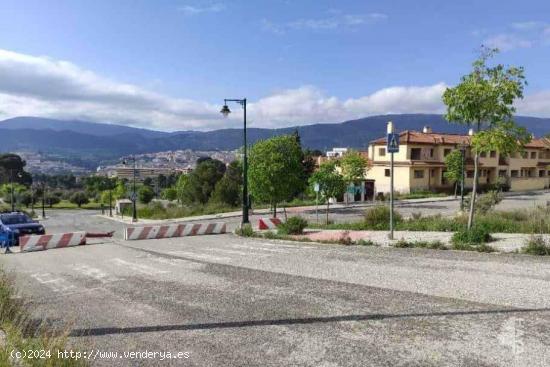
417, 137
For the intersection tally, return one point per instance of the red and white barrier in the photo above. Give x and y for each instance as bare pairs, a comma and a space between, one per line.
268, 223
173, 230
49, 241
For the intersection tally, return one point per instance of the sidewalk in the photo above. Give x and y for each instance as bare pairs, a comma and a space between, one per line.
504, 242
295, 209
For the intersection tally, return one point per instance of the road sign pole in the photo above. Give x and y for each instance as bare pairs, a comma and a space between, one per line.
391, 196
392, 147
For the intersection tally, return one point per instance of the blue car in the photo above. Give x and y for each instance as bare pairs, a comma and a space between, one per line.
21, 224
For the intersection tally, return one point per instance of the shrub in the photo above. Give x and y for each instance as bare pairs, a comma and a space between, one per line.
486, 202
245, 230
145, 194
432, 245
345, 239
536, 245
476, 235
294, 225
403, 244
79, 198
363, 242
468, 247
378, 217
270, 235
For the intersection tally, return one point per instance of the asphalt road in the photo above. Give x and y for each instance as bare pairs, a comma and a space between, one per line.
230, 301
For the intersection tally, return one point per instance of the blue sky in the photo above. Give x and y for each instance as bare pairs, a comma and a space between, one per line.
168, 64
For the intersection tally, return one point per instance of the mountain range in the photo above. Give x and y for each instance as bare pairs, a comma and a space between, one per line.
92, 143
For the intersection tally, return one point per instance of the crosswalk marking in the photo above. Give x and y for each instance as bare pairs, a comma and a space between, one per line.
141, 268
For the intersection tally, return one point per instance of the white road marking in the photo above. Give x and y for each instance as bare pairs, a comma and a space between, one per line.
141, 268
56, 284
199, 256
94, 273
261, 249
235, 252
173, 262
282, 245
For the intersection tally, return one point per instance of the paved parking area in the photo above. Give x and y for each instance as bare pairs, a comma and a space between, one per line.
248, 302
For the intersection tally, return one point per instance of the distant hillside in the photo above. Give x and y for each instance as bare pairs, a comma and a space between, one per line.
95, 143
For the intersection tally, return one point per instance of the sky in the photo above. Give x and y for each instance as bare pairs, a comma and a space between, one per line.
168, 65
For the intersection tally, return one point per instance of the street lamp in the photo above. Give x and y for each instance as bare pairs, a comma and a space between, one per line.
134, 196
12, 194
225, 111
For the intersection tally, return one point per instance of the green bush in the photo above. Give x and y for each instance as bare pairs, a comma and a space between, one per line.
363, 242
478, 234
403, 244
432, 245
245, 230
345, 239
378, 217
468, 247
536, 245
294, 225
486, 202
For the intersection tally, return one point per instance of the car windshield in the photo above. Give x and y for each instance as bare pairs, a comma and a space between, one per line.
14, 219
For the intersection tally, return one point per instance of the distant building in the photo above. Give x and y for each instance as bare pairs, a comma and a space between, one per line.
127, 172
420, 163
336, 152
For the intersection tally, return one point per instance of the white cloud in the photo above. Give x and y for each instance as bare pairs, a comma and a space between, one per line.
296, 106
507, 42
336, 21
194, 10
41, 86
518, 35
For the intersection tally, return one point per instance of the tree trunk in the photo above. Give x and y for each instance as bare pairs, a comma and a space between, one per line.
456, 189
328, 207
275, 210
474, 193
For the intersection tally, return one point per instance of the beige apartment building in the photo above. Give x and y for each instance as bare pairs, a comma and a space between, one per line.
420, 163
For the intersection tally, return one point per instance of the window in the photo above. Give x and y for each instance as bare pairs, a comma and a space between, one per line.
446, 152
541, 173
483, 154
514, 173
387, 172
524, 155
432, 172
382, 152
431, 153
415, 153
470, 174
533, 155
493, 154
502, 173
418, 173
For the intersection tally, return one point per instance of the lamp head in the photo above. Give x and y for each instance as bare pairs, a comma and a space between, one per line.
225, 111
390, 128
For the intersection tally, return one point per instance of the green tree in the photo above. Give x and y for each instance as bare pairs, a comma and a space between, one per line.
169, 193
201, 182
229, 189
331, 183
484, 99
52, 199
354, 167
79, 198
453, 168
120, 191
276, 172
145, 194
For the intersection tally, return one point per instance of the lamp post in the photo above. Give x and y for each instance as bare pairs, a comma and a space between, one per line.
134, 195
226, 111
12, 196
44, 199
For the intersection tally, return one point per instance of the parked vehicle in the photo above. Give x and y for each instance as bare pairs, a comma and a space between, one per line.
21, 224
